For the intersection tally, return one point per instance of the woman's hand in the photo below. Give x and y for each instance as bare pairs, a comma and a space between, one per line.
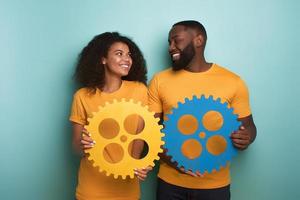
141, 174
81, 139
86, 141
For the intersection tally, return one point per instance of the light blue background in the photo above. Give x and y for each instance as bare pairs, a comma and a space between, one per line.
40, 41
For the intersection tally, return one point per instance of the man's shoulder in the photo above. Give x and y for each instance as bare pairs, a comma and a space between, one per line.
225, 71
165, 74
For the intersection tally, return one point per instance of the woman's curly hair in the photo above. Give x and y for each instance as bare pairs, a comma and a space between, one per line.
90, 70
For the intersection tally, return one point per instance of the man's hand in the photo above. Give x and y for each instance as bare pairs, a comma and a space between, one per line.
246, 134
241, 138
189, 172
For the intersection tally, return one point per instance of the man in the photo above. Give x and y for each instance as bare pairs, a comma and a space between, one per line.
192, 75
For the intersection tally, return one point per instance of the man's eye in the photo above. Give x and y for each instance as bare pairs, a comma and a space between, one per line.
119, 53
178, 41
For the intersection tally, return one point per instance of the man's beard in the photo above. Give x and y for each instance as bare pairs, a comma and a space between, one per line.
186, 55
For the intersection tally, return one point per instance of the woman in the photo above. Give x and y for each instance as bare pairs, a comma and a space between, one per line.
110, 67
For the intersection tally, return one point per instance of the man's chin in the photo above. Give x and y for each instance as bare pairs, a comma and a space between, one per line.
176, 66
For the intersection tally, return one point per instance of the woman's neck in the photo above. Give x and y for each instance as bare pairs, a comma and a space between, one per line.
112, 84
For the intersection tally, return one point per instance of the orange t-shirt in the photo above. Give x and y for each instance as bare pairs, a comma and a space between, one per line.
92, 184
168, 87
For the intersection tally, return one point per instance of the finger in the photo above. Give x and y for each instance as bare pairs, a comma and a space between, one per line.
85, 132
240, 136
140, 175
199, 174
88, 139
241, 140
191, 173
84, 142
87, 146
240, 146
147, 169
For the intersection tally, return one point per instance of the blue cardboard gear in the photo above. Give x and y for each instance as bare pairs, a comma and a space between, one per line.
174, 138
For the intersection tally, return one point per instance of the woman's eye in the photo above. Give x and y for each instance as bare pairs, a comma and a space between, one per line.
119, 53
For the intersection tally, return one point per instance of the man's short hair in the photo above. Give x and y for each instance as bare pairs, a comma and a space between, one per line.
195, 25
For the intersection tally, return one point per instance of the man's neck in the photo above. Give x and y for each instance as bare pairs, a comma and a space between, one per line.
198, 64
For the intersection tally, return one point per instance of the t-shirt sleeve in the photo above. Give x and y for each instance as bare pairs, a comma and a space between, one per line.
78, 114
240, 102
154, 101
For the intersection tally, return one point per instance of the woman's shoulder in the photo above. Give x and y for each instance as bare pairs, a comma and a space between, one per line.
83, 92
135, 85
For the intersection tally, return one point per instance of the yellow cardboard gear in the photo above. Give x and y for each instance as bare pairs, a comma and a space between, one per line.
119, 110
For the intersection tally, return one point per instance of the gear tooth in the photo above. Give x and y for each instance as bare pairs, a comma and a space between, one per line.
225, 104
155, 142
131, 176
218, 99
210, 97
115, 176
195, 97
186, 99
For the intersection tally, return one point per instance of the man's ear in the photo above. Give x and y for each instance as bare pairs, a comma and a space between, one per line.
199, 41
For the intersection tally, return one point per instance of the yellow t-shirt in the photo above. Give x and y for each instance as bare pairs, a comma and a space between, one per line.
168, 87
93, 185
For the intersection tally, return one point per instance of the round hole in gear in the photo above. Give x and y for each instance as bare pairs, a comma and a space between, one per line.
187, 124
191, 149
113, 153
216, 145
109, 128
138, 142
212, 120
134, 124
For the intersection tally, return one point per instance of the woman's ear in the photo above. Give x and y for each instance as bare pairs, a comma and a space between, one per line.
103, 61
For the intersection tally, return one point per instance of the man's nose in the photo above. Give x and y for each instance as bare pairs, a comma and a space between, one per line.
171, 46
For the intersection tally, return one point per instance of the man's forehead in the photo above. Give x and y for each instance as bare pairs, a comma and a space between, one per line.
179, 30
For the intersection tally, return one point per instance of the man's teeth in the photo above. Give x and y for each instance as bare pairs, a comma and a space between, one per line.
125, 66
175, 56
